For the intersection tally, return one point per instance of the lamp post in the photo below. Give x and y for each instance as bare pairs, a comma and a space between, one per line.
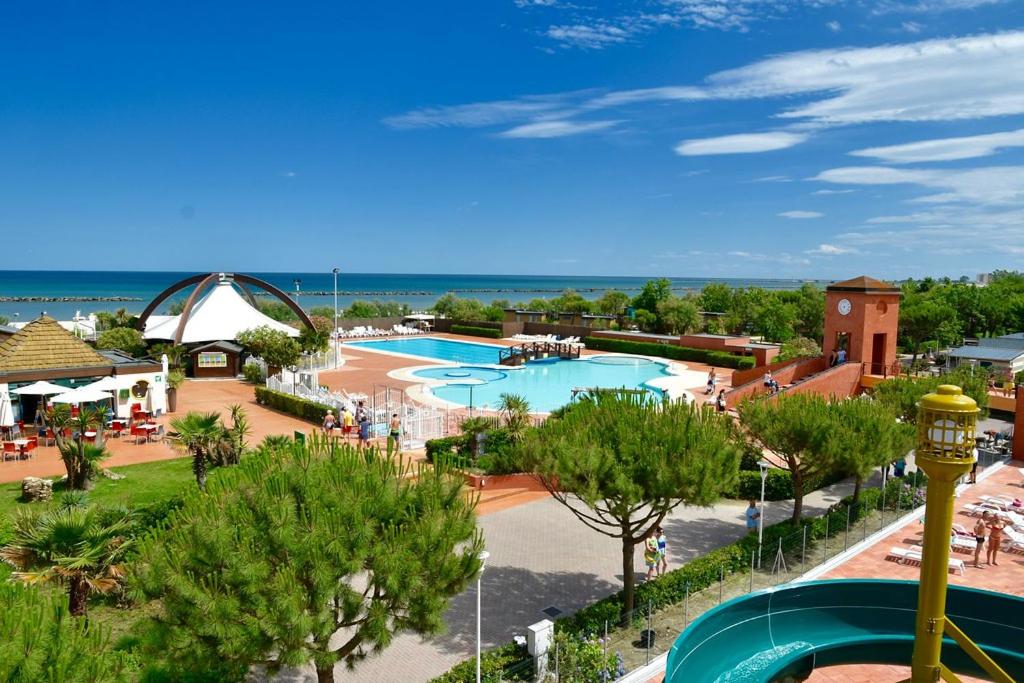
945, 452
337, 346
298, 283
483, 562
762, 465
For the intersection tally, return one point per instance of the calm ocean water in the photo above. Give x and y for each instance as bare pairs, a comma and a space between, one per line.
419, 291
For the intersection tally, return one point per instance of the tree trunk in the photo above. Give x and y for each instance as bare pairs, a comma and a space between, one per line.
199, 469
798, 496
78, 597
325, 674
856, 489
627, 576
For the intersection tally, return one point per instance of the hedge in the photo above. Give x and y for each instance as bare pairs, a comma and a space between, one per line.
672, 587
778, 485
717, 358
472, 331
293, 405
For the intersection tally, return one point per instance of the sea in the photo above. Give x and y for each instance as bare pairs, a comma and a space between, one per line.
26, 294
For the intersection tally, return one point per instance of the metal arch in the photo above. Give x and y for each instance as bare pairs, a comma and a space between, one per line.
164, 295
271, 289
189, 303
203, 280
247, 293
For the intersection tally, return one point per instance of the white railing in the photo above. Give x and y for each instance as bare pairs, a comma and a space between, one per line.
419, 423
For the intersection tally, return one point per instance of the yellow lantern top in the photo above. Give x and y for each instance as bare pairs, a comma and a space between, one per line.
945, 424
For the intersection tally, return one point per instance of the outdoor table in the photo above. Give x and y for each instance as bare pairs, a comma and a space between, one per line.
149, 429
21, 443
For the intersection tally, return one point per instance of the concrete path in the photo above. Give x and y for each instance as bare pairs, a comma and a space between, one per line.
541, 557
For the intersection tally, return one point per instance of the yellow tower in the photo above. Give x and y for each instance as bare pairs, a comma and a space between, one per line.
945, 452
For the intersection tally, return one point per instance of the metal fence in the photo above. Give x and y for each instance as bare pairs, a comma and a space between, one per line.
650, 631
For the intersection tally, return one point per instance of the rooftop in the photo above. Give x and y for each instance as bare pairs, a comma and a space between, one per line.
862, 283
989, 353
44, 345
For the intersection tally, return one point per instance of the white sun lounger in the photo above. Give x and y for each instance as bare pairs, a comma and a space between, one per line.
963, 544
912, 556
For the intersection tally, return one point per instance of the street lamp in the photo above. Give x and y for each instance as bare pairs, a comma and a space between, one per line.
945, 452
298, 283
337, 346
483, 562
764, 466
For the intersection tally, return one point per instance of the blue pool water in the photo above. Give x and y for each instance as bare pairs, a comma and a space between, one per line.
546, 385
431, 347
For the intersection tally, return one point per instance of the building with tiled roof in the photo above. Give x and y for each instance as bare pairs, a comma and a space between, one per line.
43, 350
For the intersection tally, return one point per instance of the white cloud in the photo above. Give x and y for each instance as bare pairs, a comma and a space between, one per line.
834, 26
801, 214
828, 192
831, 250
987, 185
773, 179
743, 143
288, 174
774, 257
934, 80
945, 149
480, 114
595, 34
556, 129
911, 26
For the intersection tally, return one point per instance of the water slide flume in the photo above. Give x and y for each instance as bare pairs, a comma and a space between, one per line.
791, 629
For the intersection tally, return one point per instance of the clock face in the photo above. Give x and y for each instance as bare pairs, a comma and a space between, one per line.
845, 307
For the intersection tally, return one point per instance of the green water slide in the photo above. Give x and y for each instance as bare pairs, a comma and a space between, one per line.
790, 630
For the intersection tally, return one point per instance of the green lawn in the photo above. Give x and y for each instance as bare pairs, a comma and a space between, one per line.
142, 484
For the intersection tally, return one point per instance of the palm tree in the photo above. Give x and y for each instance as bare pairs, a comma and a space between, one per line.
199, 434
515, 412
78, 547
81, 459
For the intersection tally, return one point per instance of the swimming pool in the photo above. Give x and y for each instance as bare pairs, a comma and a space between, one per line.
435, 348
546, 385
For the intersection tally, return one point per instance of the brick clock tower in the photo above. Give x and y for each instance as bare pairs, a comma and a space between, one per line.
861, 316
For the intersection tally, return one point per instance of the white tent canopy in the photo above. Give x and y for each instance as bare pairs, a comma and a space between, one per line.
82, 395
40, 388
220, 315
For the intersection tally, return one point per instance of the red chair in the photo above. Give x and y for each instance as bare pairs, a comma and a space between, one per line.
136, 433
31, 446
10, 448
48, 437
74, 411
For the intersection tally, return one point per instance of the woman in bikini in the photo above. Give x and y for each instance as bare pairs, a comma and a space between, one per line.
995, 538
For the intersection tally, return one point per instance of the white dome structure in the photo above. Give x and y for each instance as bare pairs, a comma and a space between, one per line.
221, 314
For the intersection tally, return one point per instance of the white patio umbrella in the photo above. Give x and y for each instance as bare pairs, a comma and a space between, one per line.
6, 412
109, 383
82, 395
40, 389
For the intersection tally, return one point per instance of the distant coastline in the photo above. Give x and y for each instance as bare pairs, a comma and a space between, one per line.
26, 294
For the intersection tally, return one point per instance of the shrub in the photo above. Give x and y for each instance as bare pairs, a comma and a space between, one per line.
445, 446
293, 405
492, 664
717, 358
472, 331
253, 373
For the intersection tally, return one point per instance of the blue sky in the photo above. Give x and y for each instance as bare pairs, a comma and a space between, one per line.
797, 138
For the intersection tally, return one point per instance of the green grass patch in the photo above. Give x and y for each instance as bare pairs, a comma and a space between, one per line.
142, 484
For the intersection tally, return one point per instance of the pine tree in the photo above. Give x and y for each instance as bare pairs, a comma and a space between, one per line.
621, 462
298, 543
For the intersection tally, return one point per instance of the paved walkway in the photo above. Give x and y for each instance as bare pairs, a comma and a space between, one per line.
542, 556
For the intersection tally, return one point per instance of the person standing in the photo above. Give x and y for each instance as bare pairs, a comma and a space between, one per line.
712, 381
363, 420
995, 538
841, 357
651, 553
752, 514
328, 424
394, 435
662, 551
979, 538
347, 422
